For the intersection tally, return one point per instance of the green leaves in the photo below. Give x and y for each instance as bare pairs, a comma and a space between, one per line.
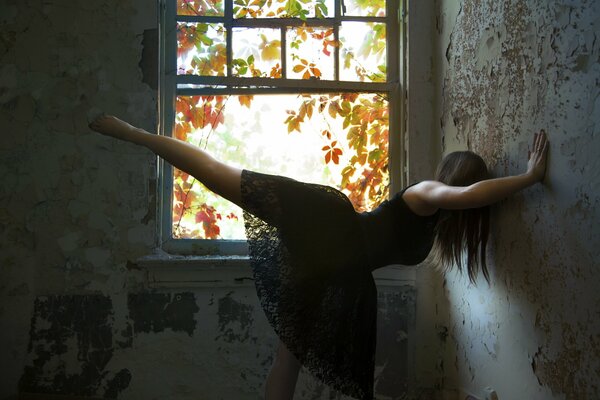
301, 9
321, 9
240, 66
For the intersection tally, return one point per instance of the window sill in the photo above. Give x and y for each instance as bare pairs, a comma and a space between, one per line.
168, 271
171, 271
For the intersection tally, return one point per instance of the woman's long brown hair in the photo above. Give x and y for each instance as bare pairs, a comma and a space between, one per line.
459, 230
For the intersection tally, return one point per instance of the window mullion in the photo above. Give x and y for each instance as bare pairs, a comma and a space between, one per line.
168, 84
393, 41
336, 37
229, 34
283, 32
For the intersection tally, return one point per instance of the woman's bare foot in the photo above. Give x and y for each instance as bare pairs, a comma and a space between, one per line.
113, 126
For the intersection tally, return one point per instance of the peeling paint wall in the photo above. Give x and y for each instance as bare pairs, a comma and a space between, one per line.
506, 70
77, 315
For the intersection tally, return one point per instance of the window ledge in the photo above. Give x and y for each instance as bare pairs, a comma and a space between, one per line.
170, 271
174, 271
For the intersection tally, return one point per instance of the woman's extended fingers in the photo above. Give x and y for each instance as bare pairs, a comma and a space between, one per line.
540, 139
536, 165
545, 145
541, 147
540, 143
535, 145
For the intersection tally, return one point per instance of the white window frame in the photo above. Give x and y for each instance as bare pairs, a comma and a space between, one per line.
395, 86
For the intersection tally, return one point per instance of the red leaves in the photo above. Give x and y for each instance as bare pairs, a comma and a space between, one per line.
208, 217
327, 38
198, 112
332, 153
183, 196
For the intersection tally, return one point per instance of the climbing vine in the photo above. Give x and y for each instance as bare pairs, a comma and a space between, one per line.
355, 125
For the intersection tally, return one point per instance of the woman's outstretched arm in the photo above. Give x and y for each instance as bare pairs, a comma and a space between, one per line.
483, 193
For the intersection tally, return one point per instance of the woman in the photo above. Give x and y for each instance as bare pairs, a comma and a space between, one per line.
312, 255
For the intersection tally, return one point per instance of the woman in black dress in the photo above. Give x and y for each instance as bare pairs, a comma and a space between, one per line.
312, 255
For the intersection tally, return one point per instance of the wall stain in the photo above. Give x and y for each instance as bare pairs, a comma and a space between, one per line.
559, 371
156, 312
57, 323
235, 319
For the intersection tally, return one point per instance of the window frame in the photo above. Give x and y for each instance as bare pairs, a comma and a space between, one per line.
395, 87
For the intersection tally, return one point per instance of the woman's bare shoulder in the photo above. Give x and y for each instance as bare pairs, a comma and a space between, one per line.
414, 198
439, 195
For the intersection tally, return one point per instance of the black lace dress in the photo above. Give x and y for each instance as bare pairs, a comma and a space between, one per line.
312, 256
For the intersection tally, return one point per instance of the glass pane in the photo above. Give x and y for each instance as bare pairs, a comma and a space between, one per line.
201, 49
210, 8
337, 139
283, 8
364, 8
256, 52
310, 53
363, 52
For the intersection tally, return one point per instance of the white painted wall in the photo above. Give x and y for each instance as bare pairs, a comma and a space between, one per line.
506, 70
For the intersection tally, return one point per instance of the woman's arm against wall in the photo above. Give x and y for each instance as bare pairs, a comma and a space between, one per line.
486, 192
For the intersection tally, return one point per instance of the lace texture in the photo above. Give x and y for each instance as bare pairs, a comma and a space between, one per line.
311, 278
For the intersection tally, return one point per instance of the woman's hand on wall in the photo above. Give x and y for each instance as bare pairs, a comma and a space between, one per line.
536, 167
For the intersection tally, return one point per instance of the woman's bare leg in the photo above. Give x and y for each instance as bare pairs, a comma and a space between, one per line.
282, 378
215, 175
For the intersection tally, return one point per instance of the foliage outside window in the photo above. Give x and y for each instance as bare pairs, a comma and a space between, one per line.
302, 88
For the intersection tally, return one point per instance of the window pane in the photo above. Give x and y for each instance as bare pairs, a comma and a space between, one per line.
363, 52
310, 53
283, 8
201, 49
256, 52
335, 139
210, 8
364, 8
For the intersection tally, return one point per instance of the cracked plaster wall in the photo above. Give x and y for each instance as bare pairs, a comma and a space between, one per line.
77, 209
507, 69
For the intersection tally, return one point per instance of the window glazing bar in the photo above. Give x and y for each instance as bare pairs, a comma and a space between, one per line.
252, 91
283, 83
278, 22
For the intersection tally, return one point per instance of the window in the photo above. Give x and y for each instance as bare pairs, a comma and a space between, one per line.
309, 89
